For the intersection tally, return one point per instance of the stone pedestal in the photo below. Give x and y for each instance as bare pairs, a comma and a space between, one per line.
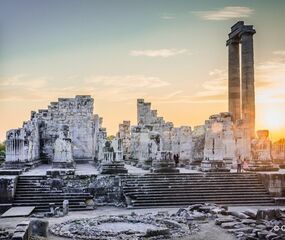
214, 166
63, 150
165, 164
115, 167
262, 165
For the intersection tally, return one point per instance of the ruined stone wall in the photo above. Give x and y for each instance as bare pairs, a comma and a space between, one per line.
7, 188
23, 144
261, 147
153, 135
147, 116
198, 143
219, 138
125, 135
77, 114
37, 137
278, 150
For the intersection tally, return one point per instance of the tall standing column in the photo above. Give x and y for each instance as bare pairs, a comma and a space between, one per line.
248, 95
234, 79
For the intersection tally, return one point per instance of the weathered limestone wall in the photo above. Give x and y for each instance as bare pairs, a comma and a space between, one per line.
219, 139
36, 139
77, 114
198, 143
7, 188
150, 128
274, 183
23, 144
261, 147
182, 144
125, 135
278, 151
145, 145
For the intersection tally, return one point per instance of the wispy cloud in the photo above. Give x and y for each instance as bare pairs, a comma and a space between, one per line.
225, 13
280, 53
167, 16
166, 52
128, 81
24, 81
270, 76
113, 88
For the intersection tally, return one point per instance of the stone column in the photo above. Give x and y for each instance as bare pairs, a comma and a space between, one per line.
234, 79
248, 95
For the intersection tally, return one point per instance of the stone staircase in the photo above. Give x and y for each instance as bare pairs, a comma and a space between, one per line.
31, 191
166, 190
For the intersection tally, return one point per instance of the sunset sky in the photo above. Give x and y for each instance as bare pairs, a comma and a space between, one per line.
171, 53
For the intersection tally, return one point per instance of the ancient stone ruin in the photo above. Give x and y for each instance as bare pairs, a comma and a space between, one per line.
63, 160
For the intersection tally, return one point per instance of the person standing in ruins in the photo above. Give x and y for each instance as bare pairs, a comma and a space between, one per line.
239, 163
245, 165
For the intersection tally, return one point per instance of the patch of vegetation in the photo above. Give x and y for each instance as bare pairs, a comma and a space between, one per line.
2, 152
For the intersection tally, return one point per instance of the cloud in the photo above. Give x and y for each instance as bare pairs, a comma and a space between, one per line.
270, 76
280, 53
128, 81
158, 53
216, 85
167, 16
114, 88
225, 13
24, 81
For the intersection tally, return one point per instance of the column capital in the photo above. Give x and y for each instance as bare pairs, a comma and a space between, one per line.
234, 40
247, 30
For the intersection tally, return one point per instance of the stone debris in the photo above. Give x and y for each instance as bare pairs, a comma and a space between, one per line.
266, 224
5, 234
38, 227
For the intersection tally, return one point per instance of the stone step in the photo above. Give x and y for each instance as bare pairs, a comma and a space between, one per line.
191, 201
194, 193
202, 197
30, 192
32, 187
52, 196
39, 177
217, 187
190, 183
191, 175
39, 200
36, 192
185, 204
24, 195
184, 189
206, 181
200, 175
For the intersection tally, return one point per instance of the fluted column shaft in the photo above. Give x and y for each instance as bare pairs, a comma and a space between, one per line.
248, 94
234, 80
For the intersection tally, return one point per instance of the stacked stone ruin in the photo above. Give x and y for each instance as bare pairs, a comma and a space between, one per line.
66, 131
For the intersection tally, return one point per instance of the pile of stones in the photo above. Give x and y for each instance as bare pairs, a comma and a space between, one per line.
265, 224
147, 226
4, 234
246, 225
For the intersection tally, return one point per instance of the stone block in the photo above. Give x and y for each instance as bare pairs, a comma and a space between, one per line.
38, 227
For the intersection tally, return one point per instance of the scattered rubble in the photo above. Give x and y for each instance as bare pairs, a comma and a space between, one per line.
4, 234
266, 224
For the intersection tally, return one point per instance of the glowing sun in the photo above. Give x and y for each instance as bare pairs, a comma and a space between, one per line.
273, 119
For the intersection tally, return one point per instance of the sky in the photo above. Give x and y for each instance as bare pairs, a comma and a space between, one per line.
172, 53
